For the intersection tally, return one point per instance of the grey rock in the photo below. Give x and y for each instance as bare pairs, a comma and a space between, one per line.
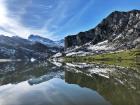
121, 29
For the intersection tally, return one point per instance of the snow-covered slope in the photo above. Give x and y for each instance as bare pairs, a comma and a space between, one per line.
89, 49
46, 41
59, 42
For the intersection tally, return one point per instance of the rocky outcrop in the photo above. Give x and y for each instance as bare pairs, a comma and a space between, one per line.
70, 41
79, 39
120, 28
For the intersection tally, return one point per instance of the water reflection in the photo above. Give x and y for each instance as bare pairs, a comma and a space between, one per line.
46, 83
120, 86
22, 71
52, 92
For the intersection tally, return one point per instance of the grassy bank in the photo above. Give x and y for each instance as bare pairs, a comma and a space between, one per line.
127, 58
133, 54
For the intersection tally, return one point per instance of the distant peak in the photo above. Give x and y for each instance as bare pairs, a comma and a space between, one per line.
125, 12
38, 36
46, 41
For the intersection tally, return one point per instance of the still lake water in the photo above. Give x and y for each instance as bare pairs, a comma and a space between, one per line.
45, 83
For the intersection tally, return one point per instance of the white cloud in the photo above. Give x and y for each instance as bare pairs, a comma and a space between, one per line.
77, 17
11, 26
57, 15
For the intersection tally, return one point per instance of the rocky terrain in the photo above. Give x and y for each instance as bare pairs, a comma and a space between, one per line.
19, 48
118, 31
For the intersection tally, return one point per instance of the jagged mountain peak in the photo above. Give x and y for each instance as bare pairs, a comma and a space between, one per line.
38, 37
119, 28
46, 41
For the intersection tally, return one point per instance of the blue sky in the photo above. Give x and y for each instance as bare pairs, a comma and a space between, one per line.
56, 19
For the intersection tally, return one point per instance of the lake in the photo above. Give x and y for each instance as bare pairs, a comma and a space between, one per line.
53, 83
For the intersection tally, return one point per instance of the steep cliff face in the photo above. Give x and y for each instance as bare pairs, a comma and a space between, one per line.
120, 28
70, 41
79, 39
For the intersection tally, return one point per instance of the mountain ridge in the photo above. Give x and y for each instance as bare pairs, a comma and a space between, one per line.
46, 41
120, 29
18, 48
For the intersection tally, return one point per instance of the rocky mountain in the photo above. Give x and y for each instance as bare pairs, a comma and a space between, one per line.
60, 43
46, 41
19, 48
119, 30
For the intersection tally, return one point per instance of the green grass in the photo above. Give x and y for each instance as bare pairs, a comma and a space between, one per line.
122, 55
127, 58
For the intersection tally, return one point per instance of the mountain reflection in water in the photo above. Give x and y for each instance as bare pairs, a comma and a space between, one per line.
52, 92
43, 83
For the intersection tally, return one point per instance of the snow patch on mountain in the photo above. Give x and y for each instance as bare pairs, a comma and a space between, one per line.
90, 49
46, 41
101, 46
